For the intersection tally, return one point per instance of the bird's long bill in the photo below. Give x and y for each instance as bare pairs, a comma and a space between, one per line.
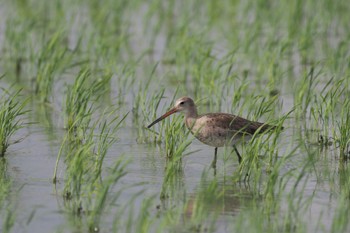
171, 111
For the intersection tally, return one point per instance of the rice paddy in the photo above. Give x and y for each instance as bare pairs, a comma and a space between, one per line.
81, 80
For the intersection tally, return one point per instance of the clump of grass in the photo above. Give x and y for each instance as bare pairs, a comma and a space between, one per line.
7, 201
16, 49
147, 108
79, 99
8, 219
340, 221
304, 92
79, 108
324, 111
262, 154
139, 103
100, 201
11, 111
109, 34
173, 179
281, 197
5, 183
176, 138
85, 191
52, 60
343, 137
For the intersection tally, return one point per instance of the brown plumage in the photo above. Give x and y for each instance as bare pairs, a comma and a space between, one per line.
216, 129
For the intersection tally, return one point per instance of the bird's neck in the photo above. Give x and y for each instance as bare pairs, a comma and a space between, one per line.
190, 117
191, 113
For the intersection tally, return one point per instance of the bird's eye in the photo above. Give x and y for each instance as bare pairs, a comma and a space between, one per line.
182, 103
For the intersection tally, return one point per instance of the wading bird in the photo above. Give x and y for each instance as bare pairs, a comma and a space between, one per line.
216, 129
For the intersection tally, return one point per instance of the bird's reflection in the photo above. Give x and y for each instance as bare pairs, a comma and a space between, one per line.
218, 195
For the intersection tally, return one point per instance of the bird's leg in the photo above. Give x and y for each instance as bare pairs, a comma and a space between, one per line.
239, 156
213, 164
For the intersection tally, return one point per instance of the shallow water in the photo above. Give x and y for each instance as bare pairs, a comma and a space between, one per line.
39, 205
31, 164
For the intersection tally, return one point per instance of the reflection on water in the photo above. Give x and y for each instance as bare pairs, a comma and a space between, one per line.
188, 184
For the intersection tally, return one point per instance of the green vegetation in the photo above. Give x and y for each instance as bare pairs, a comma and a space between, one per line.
11, 111
101, 71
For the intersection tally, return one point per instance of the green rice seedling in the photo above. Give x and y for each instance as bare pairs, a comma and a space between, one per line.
251, 163
340, 221
51, 61
261, 154
78, 175
79, 98
257, 219
92, 144
189, 50
324, 111
22, 21
126, 79
40, 24
106, 138
77, 109
86, 193
281, 198
8, 219
304, 92
176, 138
109, 30
5, 182
236, 100
16, 50
325, 114
139, 103
342, 188
7, 198
148, 110
343, 135
11, 111
173, 184
100, 199
261, 106
164, 15
146, 106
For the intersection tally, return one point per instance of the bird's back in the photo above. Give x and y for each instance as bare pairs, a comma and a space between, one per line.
219, 129
235, 123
